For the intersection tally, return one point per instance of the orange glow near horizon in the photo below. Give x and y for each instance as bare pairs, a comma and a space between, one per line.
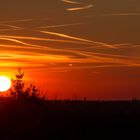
81, 49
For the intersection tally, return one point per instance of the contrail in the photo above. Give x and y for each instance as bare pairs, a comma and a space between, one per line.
44, 39
117, 14
77, 38
18, 20
11, 27
62, 25
24, 20
70, 2
80, 8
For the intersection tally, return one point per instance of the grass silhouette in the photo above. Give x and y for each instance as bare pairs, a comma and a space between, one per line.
68, 119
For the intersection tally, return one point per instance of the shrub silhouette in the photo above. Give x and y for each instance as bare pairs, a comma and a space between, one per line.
20, 91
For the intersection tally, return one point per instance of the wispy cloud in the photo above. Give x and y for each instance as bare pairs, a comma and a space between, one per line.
7, 27
45, 47
25, 20
62, 25
14, 21
11, 38
78, 39
83, 39
42, 55
70, 1
114, 14
80, 8
18, 41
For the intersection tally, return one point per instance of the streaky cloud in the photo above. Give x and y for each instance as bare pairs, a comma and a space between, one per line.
114, 14
70, 2
43, 50
10, 27
62, 25
123, 44
77, 38
97, 67
91, 57
80, 8
18, 41
17, 20
24, 20
93, 67
42, 39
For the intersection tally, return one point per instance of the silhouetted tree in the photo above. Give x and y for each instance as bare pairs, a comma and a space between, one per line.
19, 90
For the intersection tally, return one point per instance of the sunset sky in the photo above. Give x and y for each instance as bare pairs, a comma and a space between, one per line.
73, 48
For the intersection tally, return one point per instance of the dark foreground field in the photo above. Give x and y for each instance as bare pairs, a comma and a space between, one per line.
69, 120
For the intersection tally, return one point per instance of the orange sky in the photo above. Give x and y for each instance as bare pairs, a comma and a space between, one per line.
73, 48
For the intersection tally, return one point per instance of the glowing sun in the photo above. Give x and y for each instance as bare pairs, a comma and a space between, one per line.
5, 83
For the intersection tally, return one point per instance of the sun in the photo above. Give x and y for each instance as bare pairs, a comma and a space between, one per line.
5, 83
